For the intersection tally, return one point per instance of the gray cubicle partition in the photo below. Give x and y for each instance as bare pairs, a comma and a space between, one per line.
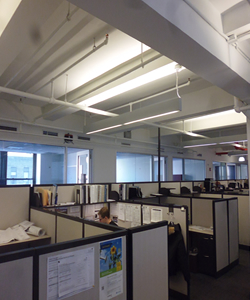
148, 262
14, 202
226, 232
44, 219
244, 219
88, 262
217, 220
175, 214
221, 234
16, 269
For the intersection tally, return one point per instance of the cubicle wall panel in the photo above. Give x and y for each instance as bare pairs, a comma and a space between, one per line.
90, 230
45, 221
233, 230
148, 188
90, 271
221, 234
188, 184
14, 202
68, 229
244, 218
150, 264
174, 186
202, 212
180, 201
20, 273
210, 195
66, 193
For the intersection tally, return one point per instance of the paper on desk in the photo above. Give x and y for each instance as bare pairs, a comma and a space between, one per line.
19, 233
26, 224
6, 236
37, 231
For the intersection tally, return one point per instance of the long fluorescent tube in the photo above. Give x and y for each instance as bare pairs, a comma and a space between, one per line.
194, 134
107, 128
151, 117
226, 112
232, 142
201, 145
132, 84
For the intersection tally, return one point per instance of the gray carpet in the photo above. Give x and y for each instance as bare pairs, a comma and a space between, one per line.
234, 285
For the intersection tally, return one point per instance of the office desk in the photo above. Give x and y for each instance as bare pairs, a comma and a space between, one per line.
202, 242
33, 241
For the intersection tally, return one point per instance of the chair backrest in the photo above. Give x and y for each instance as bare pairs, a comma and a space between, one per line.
185, 190
164, 191
114, 195
197, 189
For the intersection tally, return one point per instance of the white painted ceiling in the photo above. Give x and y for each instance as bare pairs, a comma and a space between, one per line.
53, 41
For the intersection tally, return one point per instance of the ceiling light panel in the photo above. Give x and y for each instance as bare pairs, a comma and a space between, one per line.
132, 84
140, 115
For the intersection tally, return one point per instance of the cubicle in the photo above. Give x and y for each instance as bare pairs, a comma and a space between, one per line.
16, 269
214, 233
147, 262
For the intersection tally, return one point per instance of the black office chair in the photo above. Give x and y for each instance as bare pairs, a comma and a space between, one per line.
164, 191
197, 189
185, 190
114, 195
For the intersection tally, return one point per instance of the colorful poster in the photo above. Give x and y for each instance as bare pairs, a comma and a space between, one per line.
111, 275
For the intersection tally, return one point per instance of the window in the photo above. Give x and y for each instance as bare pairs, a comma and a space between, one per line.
188, 169
131, 167
78, 164
194, 169
177, 169
26, 163
18, 165
163, 168
219, 171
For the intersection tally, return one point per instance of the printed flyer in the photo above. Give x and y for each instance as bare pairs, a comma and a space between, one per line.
111, 275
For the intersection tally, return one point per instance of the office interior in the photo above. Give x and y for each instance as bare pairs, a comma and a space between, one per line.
55, 101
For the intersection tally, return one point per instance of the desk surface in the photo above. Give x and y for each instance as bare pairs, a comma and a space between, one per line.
201, 229
33, 241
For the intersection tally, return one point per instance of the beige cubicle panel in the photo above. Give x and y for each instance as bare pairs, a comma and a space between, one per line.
66, 193
148, 188
188, 184
180, 201
45, 221
68, 229
174, 186
90, 230
209, 195
14, 203
202, 212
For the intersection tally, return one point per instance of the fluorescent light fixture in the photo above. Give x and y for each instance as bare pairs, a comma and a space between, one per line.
241, 158
233, 142
201, 145
226, 112
97, 111
132, 84
107, 128
151, 117
194, 134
